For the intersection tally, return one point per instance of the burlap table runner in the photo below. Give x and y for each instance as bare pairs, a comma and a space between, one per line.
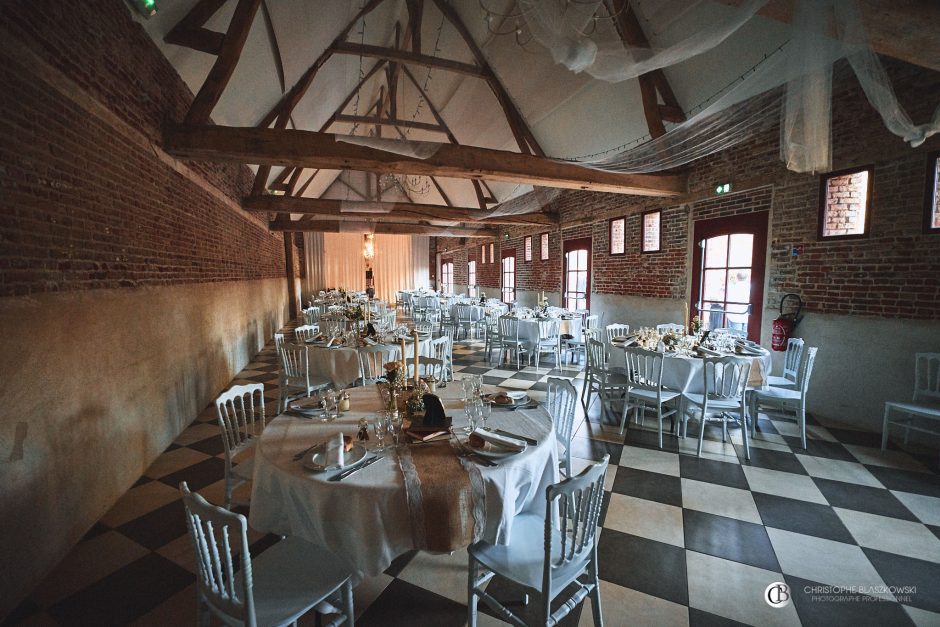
445, 497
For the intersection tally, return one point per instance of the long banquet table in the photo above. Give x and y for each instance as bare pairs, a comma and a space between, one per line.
365, 518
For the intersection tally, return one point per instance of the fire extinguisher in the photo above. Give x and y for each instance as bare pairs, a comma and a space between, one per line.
785, 323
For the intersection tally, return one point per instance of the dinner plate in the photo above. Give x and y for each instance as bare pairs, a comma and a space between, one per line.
315, 460
307, 406
517, 398
492, 451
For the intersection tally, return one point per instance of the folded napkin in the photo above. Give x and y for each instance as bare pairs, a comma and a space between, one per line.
335, 453
330, 343
511, 444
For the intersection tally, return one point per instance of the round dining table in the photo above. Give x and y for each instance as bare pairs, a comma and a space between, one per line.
369, 517
529, 330
342, 366
684, 373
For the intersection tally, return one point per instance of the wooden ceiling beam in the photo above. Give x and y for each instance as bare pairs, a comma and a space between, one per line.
340, 226
405, 56
901, 29
322, 150
369, 119
391, 211
652, 84
215, 83
191, 33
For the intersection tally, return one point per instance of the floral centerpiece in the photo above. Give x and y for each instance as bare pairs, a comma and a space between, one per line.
354, 312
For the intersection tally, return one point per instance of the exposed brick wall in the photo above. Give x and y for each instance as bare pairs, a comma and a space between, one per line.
84, 206
846, 198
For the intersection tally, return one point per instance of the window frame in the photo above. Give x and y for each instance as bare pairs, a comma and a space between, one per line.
610, 236
492, 252
570, 245
659, 235
507, 253
482, 253
472, 274
544, 246
869, 205
931, 193
527, 249
444, 262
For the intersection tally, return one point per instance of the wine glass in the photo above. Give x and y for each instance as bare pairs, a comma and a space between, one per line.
472, 410
330, 414
380, 428
486, 410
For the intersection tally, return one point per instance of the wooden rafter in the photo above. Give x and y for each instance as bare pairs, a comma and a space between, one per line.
651, 83
224, 65
369, 119
391, 211
322, 150
517, 124
191, 33
395, 228
405, 56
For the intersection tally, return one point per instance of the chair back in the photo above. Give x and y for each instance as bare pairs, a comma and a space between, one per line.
596, 357
428, 367
306, 332
424, 327
644, 368
372, 360
295, 361
441, 348
927, 377
241, 416
806, 371
278, 345
591, 322
464, 313
333, 326
509, 329
223, 559
450, 332
669, 328
312, 315
726, 377
548, 330
560, 402
791, 359
729, 331
572, 510
388, 318
616, 330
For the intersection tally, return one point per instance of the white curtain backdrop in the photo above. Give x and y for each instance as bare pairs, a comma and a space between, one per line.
335, 260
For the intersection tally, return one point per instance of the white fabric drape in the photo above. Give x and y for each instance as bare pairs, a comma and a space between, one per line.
335, 260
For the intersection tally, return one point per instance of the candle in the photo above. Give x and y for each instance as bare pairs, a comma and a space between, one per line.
685, 320
403, 371
414, 336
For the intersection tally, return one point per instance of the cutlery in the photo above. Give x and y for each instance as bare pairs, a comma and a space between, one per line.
465, 451
300, 455
527, 406
342, 475
514, 435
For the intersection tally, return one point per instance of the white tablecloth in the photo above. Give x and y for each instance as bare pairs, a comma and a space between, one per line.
529, 330
365, 518
342, 367
684, 374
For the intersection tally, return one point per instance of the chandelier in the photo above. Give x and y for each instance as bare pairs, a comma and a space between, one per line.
408, 184
368, 247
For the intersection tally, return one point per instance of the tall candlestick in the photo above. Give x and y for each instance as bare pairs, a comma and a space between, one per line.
414, 336
403, 370
685, 320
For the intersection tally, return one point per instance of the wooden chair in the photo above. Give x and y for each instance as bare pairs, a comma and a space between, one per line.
240, 410
560, 402
924, 407
372, 360
644, 371
306, 332
791, 365
276, 588
725, 381
786, 399
296, 374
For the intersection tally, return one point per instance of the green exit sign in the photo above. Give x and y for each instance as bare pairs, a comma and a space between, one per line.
147, 8
723, 188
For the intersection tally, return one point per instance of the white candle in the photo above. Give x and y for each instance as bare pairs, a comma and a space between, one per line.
414, 336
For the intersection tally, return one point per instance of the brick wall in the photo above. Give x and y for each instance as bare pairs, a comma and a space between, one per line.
85, 206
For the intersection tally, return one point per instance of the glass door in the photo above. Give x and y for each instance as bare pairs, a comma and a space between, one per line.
576, 292
728, 270
509, 275
447, 276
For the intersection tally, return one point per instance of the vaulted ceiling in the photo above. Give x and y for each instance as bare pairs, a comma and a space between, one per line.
427, 71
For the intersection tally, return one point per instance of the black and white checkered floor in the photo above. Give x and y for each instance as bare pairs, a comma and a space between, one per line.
853, 532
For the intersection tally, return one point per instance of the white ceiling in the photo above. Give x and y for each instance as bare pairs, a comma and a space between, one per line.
571, 115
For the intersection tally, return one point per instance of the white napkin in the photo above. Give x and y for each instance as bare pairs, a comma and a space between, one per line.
500, 440
336, 452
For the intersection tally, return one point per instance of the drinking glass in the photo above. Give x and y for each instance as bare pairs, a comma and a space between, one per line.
331, 412
394, 426
471, 409
466, 385
380, 428
486, 410
478, 386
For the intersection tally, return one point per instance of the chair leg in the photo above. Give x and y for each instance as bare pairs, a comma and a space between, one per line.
471, 594
884, 430
801, 417
747, 449
659, 419
596, 608
701, 434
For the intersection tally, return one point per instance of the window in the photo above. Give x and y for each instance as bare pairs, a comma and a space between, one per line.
509, 275
650, 238
447, 276
492, 256
932, 206
543, 248
844, 204
617, 229
472, 278
483, 253
576, 294
528, 248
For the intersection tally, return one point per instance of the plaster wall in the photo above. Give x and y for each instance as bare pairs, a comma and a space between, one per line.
94, 385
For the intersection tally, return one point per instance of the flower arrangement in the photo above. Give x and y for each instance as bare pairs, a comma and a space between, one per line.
695, 326
354, 312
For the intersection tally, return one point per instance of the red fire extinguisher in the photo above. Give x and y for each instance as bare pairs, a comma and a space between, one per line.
785, 323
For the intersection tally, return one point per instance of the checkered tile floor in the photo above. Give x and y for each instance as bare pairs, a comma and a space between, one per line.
685, 540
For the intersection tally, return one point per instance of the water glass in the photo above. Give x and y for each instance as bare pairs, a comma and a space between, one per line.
467, 386
380, 428
486, 410
471, 409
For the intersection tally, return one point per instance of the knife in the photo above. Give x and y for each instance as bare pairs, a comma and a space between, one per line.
342, 475
514, 435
